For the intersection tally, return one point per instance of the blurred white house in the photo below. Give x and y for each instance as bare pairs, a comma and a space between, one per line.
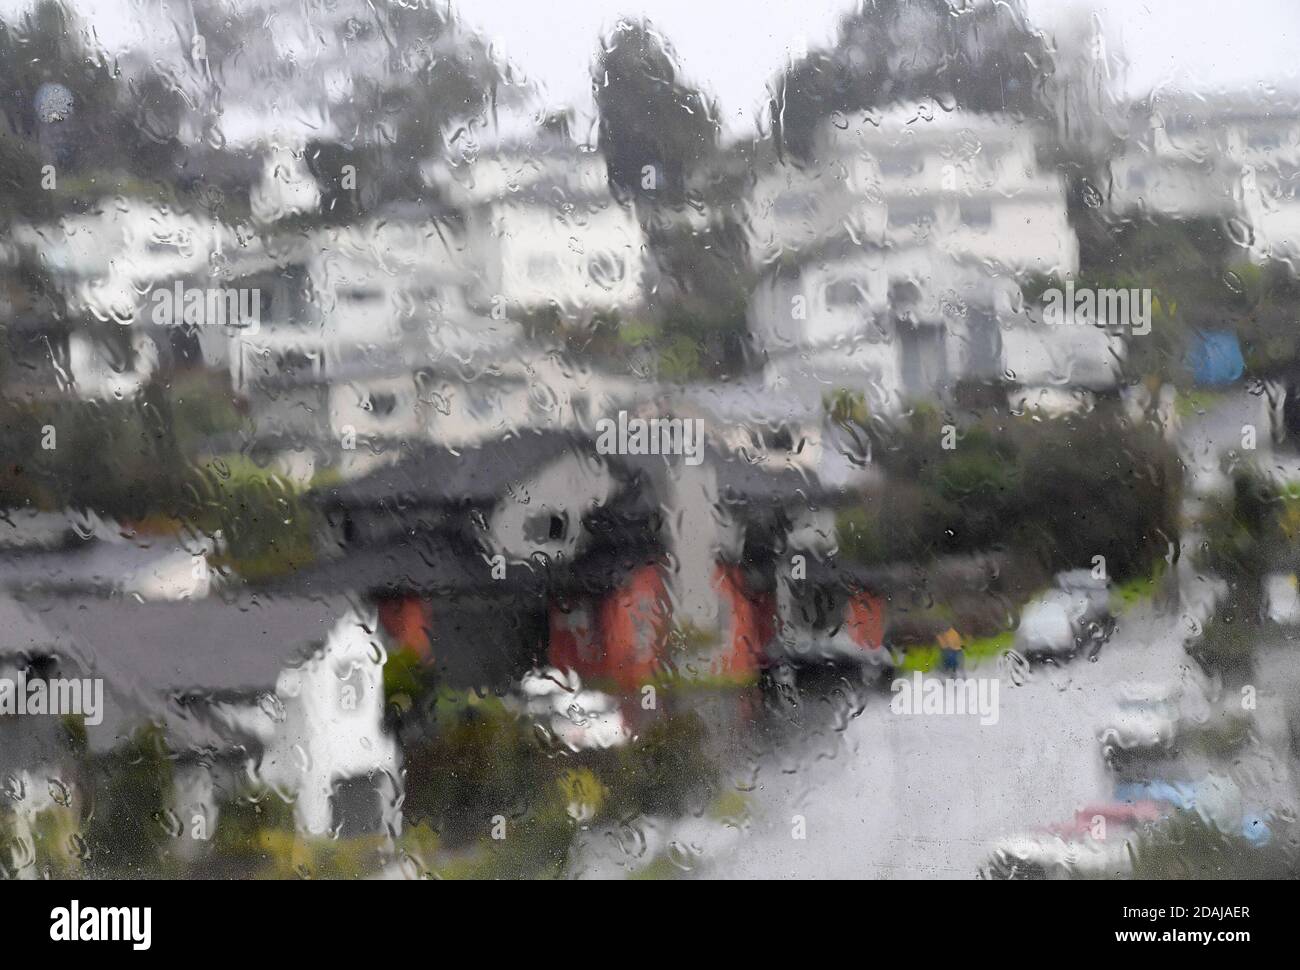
1232, 158
541, 224
892, 261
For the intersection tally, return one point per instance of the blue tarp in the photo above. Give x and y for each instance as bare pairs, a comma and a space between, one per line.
1254, 824
1215, 357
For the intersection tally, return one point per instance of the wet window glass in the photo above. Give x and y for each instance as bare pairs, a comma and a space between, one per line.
810, 439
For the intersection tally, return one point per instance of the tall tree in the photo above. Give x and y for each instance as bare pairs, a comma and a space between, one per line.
654, 128
435, 73
51, 78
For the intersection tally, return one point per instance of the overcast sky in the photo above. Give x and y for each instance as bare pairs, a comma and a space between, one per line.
733, 48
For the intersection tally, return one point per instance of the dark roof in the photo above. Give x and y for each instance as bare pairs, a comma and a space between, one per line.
30, 741
606, 567
424, 564
149, 653
428, 564
742, 480
440, 475
24, 633
437, 475
206, 645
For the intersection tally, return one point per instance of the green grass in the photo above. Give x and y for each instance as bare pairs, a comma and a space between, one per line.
633, 333
731, 807
268, 526
659, 869
979, 650
1190, 403
1128, 595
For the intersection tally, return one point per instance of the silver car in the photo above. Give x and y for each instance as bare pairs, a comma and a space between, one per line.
1062, 620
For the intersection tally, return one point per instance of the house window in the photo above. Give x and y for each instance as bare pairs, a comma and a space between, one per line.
904, 215
901, 166
361, 294
905, 293
793, 206
976, 213
549, 526
541, 265
356, 807
429, 297
296, 362
844, 295
381, 403
1264, 138
1181, 123
607, 270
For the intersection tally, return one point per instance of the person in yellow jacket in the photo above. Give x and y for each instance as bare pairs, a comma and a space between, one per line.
950, 650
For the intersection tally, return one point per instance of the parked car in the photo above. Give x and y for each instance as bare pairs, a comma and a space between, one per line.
1094, 591
1145, 719
1079, 848
579, 719
1127, 814
1046, 855
829, 627
1075, 614
814, 649
1282, 599
1048, 626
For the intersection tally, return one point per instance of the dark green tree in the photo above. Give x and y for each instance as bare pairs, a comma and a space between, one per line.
982, 57
650, 119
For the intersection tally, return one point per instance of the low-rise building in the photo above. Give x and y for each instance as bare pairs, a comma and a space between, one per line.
282, 695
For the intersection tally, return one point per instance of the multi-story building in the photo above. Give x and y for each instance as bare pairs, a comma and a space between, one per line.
542, 227
106, 264
892, 260
1233, 159
370, 334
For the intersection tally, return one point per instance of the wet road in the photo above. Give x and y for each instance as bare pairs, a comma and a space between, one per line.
891, 795
898, 795
851, 789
